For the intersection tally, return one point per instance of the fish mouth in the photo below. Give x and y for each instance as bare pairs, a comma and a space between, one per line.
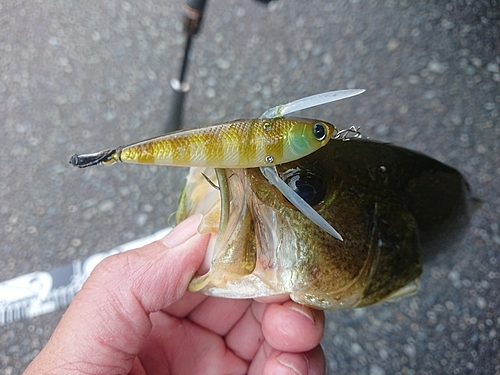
263, 246
243, 260
256, 250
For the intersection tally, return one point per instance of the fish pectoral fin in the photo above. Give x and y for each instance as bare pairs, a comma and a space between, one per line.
271, 174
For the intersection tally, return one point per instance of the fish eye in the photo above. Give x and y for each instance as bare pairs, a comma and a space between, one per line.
309, 186
319, 131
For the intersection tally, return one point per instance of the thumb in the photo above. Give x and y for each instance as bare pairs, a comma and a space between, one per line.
108, 322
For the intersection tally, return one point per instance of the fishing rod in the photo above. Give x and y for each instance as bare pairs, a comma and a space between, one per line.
193, 15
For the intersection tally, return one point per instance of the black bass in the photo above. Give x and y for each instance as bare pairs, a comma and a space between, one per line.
388, 202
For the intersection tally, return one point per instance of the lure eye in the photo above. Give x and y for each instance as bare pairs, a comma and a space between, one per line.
319, 131
308, 185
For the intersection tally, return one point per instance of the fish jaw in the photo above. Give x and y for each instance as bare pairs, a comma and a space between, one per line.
255, 253
236, 256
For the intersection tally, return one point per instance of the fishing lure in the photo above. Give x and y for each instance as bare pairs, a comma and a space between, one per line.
264, 142
236, 144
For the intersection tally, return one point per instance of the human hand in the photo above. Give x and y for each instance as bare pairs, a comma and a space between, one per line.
134, 316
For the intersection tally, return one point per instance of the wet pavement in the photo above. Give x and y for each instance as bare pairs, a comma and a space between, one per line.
85, 76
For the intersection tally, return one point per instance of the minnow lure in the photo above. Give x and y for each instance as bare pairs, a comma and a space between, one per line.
263, 142
236, 144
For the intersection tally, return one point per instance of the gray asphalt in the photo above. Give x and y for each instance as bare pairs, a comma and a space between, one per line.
81, 76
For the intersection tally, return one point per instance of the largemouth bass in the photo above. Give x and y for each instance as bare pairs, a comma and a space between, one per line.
388, 202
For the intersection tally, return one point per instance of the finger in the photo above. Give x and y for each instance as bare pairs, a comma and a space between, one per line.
258, 309
137, 368
291, 327
259, 361
269, 361
308, 363
219, 314
179, 346
108, 321
245, 338
185, 305
278, 298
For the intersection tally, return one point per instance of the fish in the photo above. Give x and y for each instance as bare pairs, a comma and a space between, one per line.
392, 205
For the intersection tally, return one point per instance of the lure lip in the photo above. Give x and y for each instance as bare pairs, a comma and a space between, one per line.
271, 174
309, 102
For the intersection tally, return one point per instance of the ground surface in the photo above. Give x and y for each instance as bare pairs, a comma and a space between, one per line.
83, 76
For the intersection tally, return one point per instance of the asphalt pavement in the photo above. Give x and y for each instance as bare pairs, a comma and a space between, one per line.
82, 76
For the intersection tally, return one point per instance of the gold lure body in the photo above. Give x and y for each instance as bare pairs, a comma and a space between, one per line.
237, 144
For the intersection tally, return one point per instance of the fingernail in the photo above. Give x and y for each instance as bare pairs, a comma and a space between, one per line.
296, 362
303, 310
183, 232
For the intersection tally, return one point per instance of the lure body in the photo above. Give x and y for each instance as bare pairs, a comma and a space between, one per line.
236, 144
264, 142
